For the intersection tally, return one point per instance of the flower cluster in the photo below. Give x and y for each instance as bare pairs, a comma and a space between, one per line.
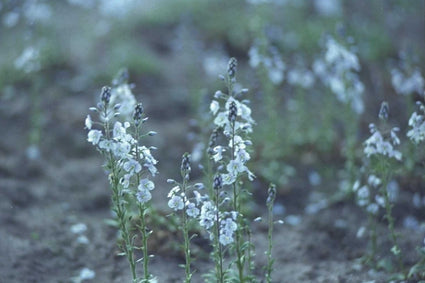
381, 144
200, 207
405, 82
417, 124
271, 61
210, 215
339, 72
301, 77
367, 195
234, 118
121, 144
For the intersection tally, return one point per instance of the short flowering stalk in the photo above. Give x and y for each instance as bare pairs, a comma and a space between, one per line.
180, 200
380, 148
127, 162
270, 201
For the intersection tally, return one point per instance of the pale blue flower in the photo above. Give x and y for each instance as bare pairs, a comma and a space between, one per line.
132, 166
176, 203
94, 136
146, 184
88, 122
214, 107
192, 210
226, 239
174, 191
143, 196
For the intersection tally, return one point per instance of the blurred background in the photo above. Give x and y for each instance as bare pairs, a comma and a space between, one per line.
56, 55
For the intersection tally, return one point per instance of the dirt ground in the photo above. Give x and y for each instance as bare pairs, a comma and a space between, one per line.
54, 205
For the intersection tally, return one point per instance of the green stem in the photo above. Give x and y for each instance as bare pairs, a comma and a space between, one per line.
270, 244
122, 221
217, 246
388, 215
236, 207
186, 236
145, 235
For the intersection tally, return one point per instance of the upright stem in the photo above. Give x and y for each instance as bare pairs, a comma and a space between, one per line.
145, 234
218, 247
236, 207
186, 236
270, 246
388, 215
122, 220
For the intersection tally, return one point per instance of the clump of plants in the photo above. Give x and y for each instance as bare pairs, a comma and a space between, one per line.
130, 167
218, 207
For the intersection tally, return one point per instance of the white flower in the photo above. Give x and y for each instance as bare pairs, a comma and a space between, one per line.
152, 169
132, 166
173, 191
405, 84
228, 179
119, 131
192, 210
207, 217
363, 196
214, 107
125, 181
143, 196
88, 122
374, 181
242, 155
218, 153
221, 119
198, 197
235, 166
106, 145
176, 203
94, 136
372, 208
122, 95
225, 239
229, 225
86, 274
146, 184
121, 149
416, 122
78, 228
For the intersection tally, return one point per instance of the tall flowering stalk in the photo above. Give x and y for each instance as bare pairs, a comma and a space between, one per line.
128, 163
380, 148
181, 200
339, 71
233, 117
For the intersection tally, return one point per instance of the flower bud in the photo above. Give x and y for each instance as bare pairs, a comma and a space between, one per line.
105, 95
218, 182
232, 112
138, 112
212, 142
384, 111
185, 166
231, 67
271, 194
